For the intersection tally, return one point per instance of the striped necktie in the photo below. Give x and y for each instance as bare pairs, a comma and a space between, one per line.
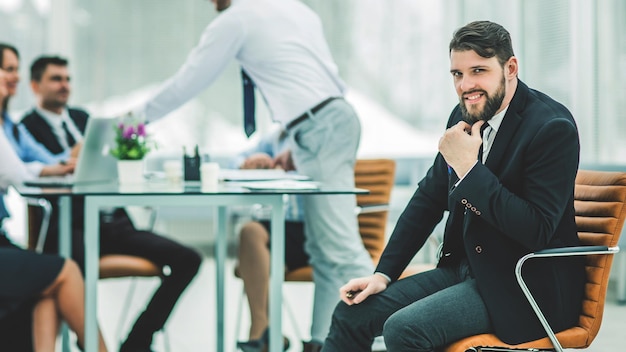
487, 134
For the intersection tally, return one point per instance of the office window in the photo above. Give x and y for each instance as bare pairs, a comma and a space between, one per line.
393, 52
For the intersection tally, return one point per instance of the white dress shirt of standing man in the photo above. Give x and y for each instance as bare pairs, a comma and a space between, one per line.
280, 44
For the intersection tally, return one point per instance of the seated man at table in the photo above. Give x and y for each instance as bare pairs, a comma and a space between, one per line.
58, 128
254, 240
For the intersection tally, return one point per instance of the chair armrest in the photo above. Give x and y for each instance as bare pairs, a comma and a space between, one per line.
373, 208
578, 250
554, 252
46, 208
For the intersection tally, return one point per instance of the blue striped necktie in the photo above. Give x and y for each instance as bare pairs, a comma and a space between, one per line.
249, 123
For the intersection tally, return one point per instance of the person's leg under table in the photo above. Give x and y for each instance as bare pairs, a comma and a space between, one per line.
324, 148
120, 237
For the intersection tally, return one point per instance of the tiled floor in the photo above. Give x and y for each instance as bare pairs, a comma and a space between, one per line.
192, 326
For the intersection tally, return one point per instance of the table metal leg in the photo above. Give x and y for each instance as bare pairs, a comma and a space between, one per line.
277, 275
221, 237
92, 250
65, 250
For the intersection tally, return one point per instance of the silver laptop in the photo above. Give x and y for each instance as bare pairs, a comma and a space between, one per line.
95, 164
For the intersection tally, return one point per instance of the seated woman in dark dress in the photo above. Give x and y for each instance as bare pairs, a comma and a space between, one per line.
36, 290
41, 289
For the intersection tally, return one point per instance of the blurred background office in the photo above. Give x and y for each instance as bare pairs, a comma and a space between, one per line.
392, 54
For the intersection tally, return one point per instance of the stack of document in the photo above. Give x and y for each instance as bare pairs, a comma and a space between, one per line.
237, 175
280, 185
274, 179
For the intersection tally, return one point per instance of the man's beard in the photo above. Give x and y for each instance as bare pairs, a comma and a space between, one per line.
492, 105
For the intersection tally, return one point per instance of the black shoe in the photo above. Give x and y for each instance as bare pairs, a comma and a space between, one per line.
260, 345
311, 346
127, 348
131, 349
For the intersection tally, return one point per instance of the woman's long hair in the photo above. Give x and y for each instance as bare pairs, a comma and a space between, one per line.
5, 102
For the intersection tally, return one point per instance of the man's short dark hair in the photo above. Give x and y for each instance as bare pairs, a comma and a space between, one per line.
41, 63
486, 38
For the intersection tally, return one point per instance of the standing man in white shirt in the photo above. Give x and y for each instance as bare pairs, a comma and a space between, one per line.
281, 47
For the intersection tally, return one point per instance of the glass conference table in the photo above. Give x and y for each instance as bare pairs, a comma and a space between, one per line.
151, 193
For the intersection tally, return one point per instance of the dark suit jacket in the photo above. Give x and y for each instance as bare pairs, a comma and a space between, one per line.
520, 201
42, 131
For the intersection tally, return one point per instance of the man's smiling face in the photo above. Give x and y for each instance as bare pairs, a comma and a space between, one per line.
480, 84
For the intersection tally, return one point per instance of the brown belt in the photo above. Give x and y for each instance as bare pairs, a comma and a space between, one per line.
312, 111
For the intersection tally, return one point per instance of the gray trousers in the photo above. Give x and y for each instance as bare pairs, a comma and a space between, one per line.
324, 148
424, 312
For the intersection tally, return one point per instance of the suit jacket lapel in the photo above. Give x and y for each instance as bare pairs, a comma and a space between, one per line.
507, 129
49, 139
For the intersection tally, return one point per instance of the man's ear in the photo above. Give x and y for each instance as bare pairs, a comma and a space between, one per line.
511, 67
34, 85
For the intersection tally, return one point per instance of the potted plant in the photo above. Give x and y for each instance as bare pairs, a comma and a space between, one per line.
131, 146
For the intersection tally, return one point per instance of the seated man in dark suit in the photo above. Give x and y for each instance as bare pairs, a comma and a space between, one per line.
58, 128
505, 172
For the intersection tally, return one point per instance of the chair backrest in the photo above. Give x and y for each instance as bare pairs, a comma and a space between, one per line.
377, 176
600, 203
110, 266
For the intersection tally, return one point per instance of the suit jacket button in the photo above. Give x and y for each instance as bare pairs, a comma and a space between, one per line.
478, 212
463, 201
468, 205
474, 209
478, 249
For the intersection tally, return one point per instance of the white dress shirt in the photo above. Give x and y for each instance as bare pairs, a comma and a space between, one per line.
12, 169
56, 122
489, 134
279, 43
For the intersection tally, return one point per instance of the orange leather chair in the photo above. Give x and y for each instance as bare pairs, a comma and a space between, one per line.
600, 203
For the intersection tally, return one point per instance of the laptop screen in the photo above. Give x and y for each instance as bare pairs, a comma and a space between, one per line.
94, 164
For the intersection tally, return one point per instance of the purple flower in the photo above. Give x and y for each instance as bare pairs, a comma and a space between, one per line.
128, 132
141, 130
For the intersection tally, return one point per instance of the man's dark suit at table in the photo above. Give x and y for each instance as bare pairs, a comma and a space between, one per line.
42, 131
118, 235
519, 201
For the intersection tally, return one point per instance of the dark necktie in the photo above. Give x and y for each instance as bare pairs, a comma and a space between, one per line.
249, 123
4, 213
480, 150
68, 136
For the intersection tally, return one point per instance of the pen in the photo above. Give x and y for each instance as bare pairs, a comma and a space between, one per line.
351, 294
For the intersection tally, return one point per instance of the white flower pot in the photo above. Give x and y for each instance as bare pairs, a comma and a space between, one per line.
130, 171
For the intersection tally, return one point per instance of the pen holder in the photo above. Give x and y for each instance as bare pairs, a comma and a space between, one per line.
192, 167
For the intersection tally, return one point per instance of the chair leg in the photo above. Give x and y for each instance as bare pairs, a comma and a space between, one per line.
166, 341
124, 313
621, 277
292, 317
242, 298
